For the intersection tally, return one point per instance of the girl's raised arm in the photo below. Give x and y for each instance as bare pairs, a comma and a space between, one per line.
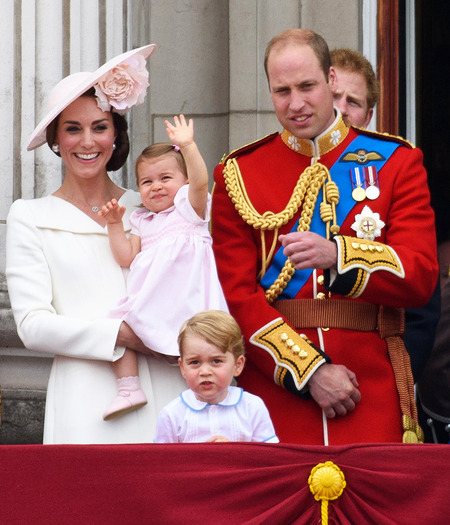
181, 134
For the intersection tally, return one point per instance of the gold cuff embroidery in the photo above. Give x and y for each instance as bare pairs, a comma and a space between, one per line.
360, 283
369, 256
290, 351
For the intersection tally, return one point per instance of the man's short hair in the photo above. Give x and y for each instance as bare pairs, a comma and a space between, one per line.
301, 37
355, 62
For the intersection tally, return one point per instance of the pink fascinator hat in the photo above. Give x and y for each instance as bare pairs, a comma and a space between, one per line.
119, 85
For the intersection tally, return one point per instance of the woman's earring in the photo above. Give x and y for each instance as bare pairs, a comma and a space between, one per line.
114, 145
55, 148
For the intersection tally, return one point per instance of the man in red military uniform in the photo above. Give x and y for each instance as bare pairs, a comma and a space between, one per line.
322, 234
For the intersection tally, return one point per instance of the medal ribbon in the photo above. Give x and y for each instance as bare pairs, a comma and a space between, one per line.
357, 178
372, 189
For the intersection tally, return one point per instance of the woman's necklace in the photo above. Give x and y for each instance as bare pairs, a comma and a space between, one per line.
89, 207
82, 205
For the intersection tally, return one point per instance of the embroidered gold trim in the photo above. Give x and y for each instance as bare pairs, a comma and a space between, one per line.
367, 255
360, 283
332, 138
305, 193
280, 374
300, 146
290, 351
383, 134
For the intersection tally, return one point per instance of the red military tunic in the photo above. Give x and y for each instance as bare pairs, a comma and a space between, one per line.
270, 170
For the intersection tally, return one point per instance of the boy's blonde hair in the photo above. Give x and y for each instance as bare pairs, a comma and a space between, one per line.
158, 150
218, 328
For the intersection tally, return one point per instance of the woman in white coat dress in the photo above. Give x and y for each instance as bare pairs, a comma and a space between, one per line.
62, 277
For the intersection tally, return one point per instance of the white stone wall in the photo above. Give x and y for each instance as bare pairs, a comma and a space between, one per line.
208, 65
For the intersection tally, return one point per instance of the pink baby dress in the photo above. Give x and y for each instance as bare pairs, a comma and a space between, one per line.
173, 277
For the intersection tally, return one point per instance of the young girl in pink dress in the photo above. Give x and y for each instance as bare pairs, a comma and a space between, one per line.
172, 268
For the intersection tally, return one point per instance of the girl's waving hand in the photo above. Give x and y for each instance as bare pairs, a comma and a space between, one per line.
181, 134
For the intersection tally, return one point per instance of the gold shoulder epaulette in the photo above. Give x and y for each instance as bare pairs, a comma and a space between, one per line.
248, 147
385, 136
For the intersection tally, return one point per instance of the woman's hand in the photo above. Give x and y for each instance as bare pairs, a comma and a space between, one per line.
126, 337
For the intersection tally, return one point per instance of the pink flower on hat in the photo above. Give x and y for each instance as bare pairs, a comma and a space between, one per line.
124, 86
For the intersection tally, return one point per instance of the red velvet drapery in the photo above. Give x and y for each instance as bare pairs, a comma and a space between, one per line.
226, 483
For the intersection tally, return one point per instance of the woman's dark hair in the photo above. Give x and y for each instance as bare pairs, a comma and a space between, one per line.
122, 142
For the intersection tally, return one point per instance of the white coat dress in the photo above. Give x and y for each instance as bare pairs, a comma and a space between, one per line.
62, 282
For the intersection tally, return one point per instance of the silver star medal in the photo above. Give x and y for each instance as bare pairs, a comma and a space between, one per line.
368, 224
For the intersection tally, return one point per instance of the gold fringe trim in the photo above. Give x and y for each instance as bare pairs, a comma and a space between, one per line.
413, 433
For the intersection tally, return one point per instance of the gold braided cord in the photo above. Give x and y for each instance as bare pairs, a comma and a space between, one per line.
327, 214
305, 194
304, 224
266, 259
268, 220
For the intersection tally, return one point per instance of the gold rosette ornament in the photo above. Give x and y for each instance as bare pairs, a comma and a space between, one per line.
326, 482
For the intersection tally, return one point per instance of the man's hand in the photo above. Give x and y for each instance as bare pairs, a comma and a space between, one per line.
309, 250
335, 389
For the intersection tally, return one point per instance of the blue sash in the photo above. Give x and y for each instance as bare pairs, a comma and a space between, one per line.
340, 174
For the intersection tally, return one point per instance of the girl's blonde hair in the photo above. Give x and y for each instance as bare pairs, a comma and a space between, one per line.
218, 328
158, 150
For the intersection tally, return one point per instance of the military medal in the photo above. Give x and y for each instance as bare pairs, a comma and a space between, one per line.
358, 193
372, 189
368, 224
